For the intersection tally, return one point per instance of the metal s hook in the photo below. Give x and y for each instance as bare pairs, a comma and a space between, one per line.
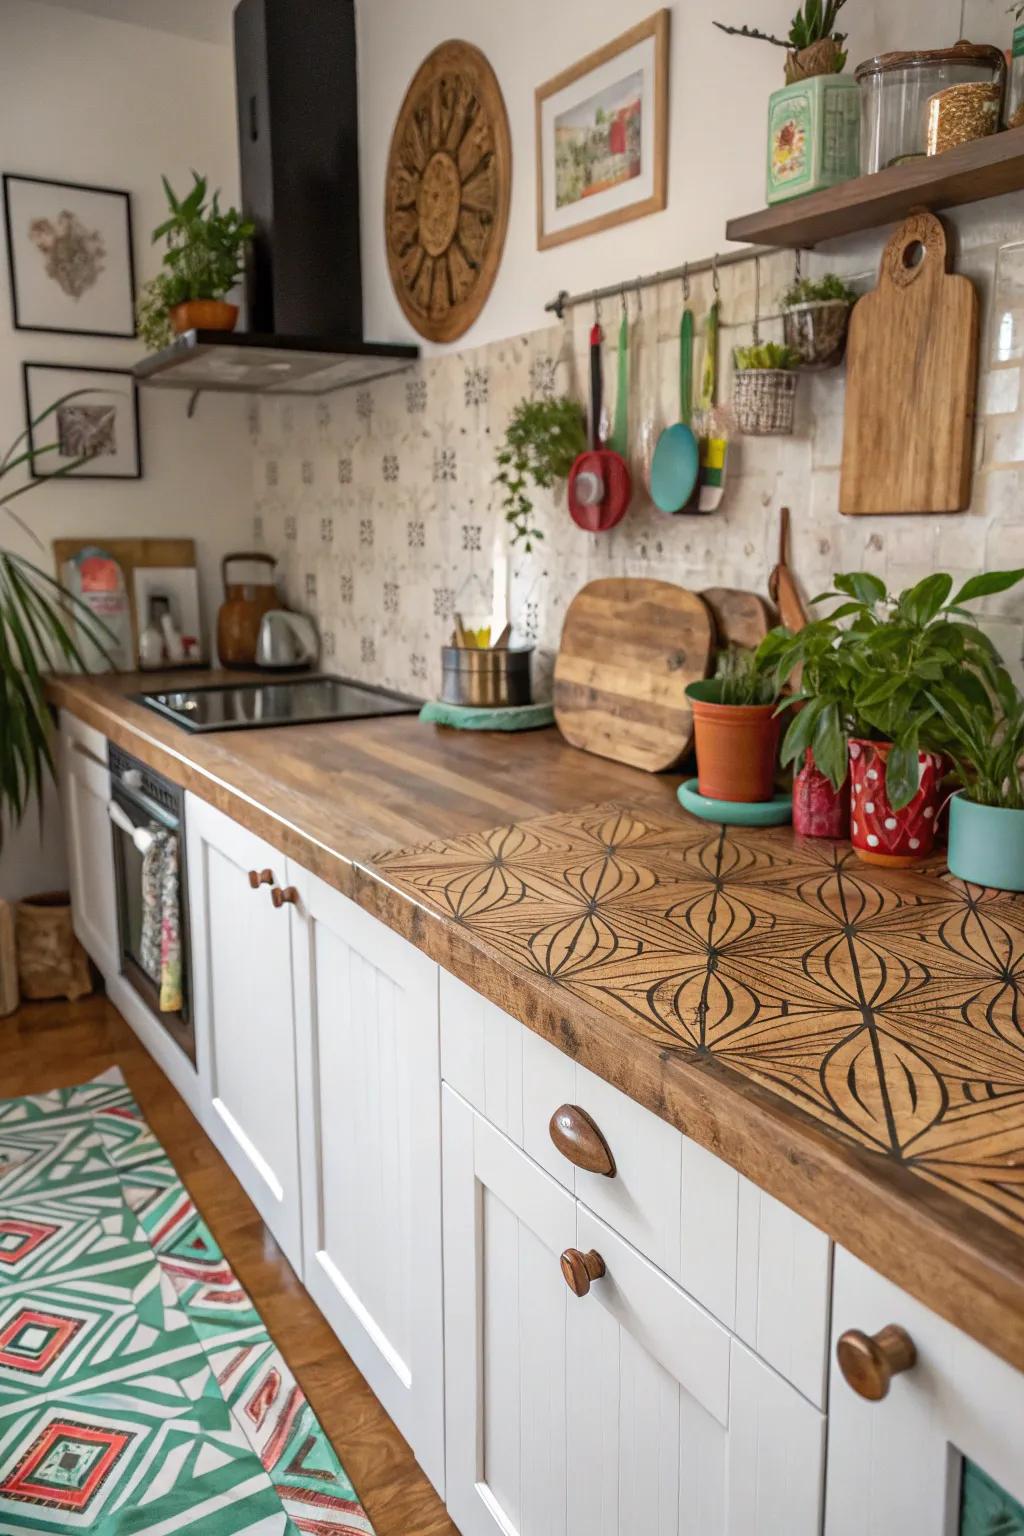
686, 282
797, 264
716, 282
639, 296
597, 311
757, 301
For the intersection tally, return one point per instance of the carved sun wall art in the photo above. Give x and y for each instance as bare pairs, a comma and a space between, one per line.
449, 181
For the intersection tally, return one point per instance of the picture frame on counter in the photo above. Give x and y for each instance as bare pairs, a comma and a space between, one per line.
602, 136
71, 257
100, 425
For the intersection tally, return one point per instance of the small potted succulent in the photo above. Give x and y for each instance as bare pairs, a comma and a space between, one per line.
542, 441
764, 389
202, 263
986, 815
815, 319
877, 706
736, 729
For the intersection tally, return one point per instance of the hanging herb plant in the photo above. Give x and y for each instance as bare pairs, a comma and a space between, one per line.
542, 441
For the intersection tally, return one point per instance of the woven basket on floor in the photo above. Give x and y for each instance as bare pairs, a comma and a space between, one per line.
764, 400
51, 962
9, 994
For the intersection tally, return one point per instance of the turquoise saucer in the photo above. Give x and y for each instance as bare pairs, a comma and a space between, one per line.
734, 813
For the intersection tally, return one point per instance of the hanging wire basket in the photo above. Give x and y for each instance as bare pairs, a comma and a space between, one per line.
764, 400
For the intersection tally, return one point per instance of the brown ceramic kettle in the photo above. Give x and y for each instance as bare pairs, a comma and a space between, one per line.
250, 591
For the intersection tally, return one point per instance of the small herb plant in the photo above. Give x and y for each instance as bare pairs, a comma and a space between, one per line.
767, 355
743, 677
814, 22
542, 440
890, 669
203, 260
822, 290
986, 742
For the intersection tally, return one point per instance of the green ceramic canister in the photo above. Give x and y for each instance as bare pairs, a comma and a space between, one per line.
986, 844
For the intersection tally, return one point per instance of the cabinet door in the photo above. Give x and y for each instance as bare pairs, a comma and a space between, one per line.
941, 1453
629, 1409
245, 1032
85, 785
370, 1133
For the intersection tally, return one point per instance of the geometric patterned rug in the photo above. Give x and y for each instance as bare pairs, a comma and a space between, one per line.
139, 1389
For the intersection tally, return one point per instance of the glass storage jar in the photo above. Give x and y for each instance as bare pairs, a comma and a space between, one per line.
895, 89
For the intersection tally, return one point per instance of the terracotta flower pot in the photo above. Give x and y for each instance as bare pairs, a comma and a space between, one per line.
737, 746
879, 834
204, 315
818, 809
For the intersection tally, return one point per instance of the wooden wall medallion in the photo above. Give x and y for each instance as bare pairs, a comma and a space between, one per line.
447, 196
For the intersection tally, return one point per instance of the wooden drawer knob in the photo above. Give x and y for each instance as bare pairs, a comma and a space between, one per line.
258, 877
578, 1138
870, 1361
580, 1269
288, 894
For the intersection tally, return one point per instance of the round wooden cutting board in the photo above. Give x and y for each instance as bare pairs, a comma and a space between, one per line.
629, 648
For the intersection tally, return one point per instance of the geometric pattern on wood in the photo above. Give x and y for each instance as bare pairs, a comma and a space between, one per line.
887, 1004
139, 1389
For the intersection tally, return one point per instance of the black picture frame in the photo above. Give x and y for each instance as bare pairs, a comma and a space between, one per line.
20, 324
81, 368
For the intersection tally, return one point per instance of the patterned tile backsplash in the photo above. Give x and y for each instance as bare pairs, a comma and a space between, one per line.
381, 507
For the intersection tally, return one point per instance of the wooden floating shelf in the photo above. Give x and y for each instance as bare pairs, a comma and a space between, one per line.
985, 168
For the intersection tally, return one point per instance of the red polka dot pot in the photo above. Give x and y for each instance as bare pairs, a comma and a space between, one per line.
879, 834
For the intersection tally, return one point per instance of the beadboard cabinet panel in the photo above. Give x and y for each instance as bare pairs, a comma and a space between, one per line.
369, 1116
85, 793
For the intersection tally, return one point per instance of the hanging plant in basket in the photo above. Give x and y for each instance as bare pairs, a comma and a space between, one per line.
815, 319
764, 389
542, 441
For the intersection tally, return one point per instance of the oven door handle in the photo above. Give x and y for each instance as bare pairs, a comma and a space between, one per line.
140, 836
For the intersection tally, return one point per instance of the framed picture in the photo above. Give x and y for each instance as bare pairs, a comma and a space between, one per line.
69, 249
100, 425
602, 136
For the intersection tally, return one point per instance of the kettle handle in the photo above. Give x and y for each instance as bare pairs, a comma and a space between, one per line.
244, 554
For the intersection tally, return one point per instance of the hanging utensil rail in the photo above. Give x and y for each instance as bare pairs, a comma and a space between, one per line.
566, 301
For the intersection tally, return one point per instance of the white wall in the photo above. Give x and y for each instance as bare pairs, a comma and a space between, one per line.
719, 88
106, 103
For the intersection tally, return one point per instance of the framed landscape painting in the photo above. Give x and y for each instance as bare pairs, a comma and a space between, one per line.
602, 136
99, 427
69, 249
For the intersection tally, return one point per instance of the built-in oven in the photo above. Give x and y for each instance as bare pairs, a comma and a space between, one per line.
147, 813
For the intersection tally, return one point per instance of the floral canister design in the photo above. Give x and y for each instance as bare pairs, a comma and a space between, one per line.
879, 834
813, 136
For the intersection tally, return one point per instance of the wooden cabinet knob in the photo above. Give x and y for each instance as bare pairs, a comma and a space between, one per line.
580, 1269
870, 1361
258, 877
578, 1138
288, 894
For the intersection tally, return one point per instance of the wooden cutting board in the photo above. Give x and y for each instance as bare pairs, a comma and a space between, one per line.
741, 618
629, 649
912, 370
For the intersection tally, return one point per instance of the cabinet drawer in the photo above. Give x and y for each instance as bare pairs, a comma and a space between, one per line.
754, 1264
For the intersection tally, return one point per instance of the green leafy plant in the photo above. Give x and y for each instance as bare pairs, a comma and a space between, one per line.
821, 290
767, 355
38, 619
203, 260
875, 666
743, 677
814, 22
986, 741
542, 440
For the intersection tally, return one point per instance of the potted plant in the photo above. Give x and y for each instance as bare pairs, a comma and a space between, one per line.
823, 679
764, 389
202, 263
986, 816
815, 319
542, 441
736, 729
876, 708
814, 120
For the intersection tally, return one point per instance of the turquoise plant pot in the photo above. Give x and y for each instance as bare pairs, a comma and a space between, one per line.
986, 844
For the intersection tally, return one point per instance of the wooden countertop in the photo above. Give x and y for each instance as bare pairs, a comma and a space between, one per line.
849, 1038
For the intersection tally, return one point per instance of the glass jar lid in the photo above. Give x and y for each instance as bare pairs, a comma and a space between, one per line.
963, 52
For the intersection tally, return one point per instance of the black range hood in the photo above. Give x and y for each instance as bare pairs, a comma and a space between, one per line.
295, 73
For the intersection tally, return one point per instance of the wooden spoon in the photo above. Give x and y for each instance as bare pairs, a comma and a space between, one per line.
782, 584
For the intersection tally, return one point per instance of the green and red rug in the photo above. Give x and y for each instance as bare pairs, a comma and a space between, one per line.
139, 1389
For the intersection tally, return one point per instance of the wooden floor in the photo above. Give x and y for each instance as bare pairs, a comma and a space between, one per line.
54, 1045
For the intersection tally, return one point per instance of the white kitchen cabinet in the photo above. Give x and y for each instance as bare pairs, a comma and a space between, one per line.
245, 1023
629, 1409
370, 1134
85, 794
895, 1466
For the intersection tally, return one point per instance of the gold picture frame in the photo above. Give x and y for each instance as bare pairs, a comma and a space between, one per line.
602, 134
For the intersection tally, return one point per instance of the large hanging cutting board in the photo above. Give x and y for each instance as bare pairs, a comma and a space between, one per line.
629, 649
912, 369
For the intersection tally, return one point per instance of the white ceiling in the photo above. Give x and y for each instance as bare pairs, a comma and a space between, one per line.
209, 20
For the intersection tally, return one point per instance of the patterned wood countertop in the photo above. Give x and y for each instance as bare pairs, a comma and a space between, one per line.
851, 1039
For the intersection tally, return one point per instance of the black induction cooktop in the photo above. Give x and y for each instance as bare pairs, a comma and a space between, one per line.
279, 701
